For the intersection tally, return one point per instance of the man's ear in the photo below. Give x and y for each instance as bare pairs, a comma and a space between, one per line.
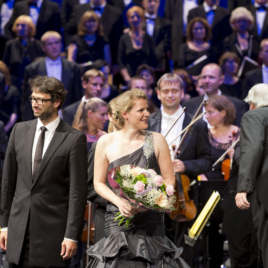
158, 94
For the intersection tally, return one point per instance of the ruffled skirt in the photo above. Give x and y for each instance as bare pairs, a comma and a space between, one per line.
143, 244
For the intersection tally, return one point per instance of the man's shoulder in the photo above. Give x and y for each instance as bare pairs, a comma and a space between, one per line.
235, 100
193, 101
155, 115
35, 65
223, 11
115, 11
70, 64
163, 21
261, 113
71, 107
197, 9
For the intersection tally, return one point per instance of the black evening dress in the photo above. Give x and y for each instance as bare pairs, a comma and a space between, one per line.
144, 243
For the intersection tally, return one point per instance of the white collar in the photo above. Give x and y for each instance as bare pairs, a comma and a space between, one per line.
175, 114
84, 99
51, 127
39, 3
147, 15
264, 67
257, 5
49, 60
101, 6
206, 97
208, 8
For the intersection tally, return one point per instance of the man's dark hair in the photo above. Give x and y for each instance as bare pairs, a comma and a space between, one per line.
136, 77
49, 85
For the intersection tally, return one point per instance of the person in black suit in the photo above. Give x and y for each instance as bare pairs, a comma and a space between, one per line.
44, 184
259, 75
194, 156
66, 10
233, 4
259, 12
53, 65
22, 50
212, 78
93, 82
135, 47
2, 89
160, 29
217, 17
252, 178
111, 21
177, 11
47, 16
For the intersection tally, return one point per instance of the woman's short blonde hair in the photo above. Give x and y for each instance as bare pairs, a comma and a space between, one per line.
241, 13
5, 71
80, 121
258, 95
88, 15
124, 103
28, 20
138, 10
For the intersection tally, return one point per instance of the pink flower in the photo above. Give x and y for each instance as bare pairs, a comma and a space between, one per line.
158, 180
162, 201
139, 187
152, 172
170, 190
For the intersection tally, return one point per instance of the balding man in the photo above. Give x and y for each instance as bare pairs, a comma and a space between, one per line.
52, 65
253, 171
211, 77
259, 75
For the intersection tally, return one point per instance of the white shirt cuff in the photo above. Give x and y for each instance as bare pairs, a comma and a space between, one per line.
4, 229
70, 239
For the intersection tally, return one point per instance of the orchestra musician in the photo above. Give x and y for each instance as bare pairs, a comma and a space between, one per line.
194, 157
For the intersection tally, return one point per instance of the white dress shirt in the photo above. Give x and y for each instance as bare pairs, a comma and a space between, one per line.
54, 68
81, 2
166, 122
210, 12
5, 15
35, 11
99, 13
264, 74
260, 17
187, 6
206, 97
127, 2
150, 23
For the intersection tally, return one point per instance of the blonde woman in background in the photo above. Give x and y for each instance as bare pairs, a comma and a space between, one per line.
90, 119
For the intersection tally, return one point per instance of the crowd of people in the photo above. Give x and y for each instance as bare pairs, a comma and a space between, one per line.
190, 53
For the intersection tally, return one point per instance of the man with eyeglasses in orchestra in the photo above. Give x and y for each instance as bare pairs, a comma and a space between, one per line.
44, 184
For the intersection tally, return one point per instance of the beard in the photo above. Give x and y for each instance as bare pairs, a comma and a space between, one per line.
44, 115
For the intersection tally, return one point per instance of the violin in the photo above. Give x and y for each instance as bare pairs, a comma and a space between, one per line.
85, 228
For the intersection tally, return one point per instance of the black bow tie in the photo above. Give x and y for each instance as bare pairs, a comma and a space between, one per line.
263, 8
5, 1
211, 10
32, 5
148, 18
97, 9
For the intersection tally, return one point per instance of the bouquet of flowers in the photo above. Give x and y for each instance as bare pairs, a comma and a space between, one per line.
143, 188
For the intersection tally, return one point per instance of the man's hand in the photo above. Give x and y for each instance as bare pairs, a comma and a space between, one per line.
3, 240
241, 200
178, 166
68, 249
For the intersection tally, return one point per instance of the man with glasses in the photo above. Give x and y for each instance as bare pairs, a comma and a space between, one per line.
44, 184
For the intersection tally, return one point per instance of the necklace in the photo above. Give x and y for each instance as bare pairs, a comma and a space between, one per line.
92, 137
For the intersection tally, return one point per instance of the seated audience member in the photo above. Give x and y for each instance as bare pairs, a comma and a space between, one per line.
52, 65
231, 84
217, 17
90, 119
160, 29
221, 115
140, 83
111, 21
45, 15
212, 78
241, 41
187, 84
146, 72
22, 50
196, 52
89, 44
11, 102
136, 47
109, 91
259, 75
259, 12
177, 11
199, 87
92, 83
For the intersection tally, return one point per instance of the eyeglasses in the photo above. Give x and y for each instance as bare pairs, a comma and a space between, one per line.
38, 101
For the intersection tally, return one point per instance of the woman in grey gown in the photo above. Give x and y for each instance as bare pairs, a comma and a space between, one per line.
144, 243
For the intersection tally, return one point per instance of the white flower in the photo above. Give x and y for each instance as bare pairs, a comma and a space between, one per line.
128, 184
124, 170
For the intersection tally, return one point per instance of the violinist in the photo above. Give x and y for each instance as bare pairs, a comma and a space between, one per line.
194, 157
220, 115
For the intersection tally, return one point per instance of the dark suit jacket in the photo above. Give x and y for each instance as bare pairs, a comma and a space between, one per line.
111, 21
70, 78
220, 26
195, 151
66, 10
251, 79
240, 107
2, 88
233, 4
162, 38
3, 141
253, 170
264, 33
54, 203
120, 3
68, 113
48, 20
